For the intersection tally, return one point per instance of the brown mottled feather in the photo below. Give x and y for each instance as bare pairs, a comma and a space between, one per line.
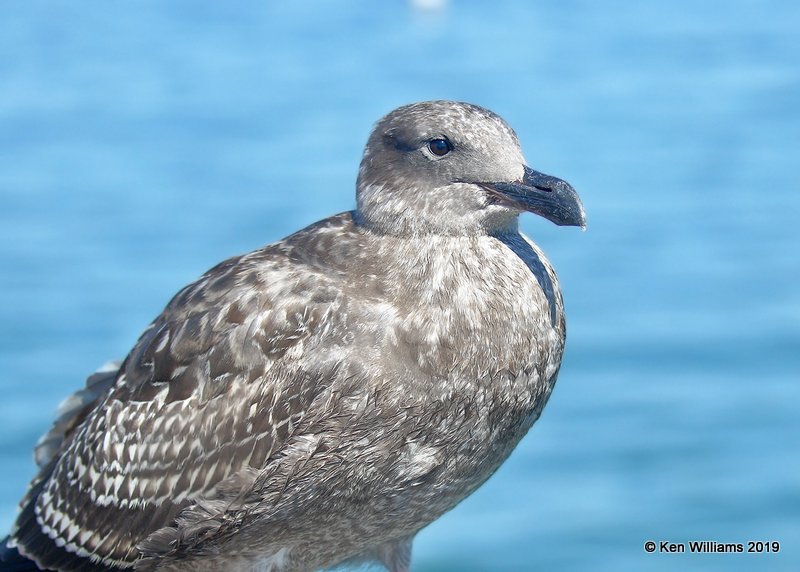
195, 398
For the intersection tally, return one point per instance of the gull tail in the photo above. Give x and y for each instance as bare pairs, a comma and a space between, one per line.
12, 561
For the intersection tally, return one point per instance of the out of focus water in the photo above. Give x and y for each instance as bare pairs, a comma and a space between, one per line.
140, 144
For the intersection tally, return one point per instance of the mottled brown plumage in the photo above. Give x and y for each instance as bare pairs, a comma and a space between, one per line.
322, 399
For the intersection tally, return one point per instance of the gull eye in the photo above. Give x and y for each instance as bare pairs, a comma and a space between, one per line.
439, 147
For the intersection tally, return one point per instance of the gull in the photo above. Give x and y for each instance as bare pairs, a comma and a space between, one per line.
320, 400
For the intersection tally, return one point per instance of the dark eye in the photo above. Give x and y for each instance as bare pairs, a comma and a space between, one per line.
439, 147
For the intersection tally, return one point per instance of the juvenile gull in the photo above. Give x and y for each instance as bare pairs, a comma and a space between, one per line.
322, 399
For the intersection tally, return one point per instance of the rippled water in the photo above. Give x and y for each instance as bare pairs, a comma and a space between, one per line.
139, 145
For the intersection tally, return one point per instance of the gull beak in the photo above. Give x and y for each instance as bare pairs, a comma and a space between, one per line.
542, 194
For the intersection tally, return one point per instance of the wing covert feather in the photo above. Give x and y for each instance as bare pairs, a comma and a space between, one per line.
213, 388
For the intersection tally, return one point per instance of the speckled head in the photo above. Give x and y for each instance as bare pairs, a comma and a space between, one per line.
445, 167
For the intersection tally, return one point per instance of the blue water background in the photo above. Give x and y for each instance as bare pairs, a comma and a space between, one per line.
142, 142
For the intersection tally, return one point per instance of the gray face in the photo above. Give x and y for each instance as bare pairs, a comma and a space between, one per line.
449, 168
